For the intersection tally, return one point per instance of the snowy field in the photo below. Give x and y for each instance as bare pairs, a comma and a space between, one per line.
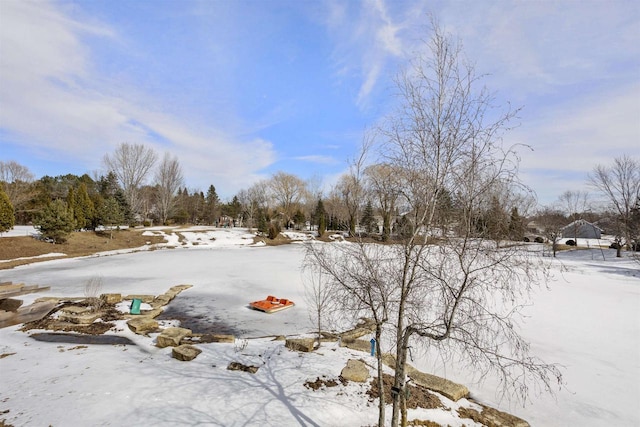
589, 322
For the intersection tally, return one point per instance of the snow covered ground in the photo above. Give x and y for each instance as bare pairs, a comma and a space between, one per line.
589, 322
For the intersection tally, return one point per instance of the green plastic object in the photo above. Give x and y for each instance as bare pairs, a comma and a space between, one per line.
135, 306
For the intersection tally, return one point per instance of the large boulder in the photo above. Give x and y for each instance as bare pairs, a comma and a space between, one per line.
300, 344
171, 337
185, 352
142, 325
364, 327
356, 370
443, 386
208, 338
111, 298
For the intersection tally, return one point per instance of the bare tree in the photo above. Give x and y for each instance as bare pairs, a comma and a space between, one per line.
17, 179
131, 164
350, 186
620, 185
358, 277
459, 294
574, 204
253, 200
551, 222
168, 180
288, 191
384, 187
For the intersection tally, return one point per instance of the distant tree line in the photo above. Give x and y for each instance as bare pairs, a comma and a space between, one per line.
367, 201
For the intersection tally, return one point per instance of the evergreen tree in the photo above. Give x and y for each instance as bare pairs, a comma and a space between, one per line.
55, 221
320, 218
83, 208
7, 213
299, 218
71, 202
368, 221
516, 225
263, 221
211, 205
111, 214
107, 186
125, 209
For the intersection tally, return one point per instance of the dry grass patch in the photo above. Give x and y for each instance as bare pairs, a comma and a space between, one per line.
79, 244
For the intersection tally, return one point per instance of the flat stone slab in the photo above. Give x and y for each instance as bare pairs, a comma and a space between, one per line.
208, 338
147, 299
185, 352
171, 337
300, 344
111, 298
142, 325
80, 318
443, 386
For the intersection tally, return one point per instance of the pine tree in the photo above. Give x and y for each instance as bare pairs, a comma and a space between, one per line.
71, 206
7, 213
320, 218
84, 210
516, 225
125, 208
111, 214
56, 222
211, 202
368, 221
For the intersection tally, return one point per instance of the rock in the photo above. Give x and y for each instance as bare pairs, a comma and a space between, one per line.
147, 299
185, 352
82, 318
235, 366
160, 301
142, 325
364, 327
443, 386
492, 417
208, 338
75, 309
171, 337
355, 370
111, 298
300, 344
10, 304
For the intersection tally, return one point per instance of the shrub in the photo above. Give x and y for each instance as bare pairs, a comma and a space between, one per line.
570, 242
538, 240
55, 222
274, 230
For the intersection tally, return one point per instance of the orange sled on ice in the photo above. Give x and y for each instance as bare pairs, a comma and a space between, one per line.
271, 304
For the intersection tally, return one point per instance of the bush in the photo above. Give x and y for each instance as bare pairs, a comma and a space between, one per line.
274, 230
570, 242
526, 239
55, 222
538, 240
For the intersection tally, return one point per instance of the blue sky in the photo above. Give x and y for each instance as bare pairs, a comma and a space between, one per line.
241, 89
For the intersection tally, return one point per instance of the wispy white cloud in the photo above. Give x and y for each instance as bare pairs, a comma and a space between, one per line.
569, 140
53, 100
369, 41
